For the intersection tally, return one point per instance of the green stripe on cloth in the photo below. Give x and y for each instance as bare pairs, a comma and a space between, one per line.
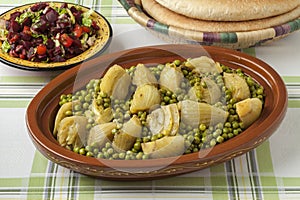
291, 79
36, 181
85, 191
11, 183
104, 10
254, 175
24, 79
218, 182
15, 103
124, 21
266, 170
291, 182
294, 104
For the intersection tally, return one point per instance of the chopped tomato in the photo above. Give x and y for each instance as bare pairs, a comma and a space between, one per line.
22, 56
86, 29
66, 40
41, 49
14, 39
77, 31
26, 30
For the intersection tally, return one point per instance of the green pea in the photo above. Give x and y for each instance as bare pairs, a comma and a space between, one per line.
137, 146
96, 151
212, 142
115, 156
235, 124
227, 124
122, 155
145, 156
202, 127
139, 156
76, 149
89, 154
250, 81
235, 132
166, 99
225, 130
82, 151
100, 155
190, 138
177, 62
220, 139
169, 93
197, 140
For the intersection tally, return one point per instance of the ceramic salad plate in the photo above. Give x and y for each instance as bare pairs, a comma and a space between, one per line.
102, 36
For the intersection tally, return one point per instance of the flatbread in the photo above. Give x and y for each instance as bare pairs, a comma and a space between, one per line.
230, 10
165, 16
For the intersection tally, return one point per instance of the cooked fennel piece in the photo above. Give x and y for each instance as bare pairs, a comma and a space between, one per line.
72, 131
176, 119
210, 94
156, 120
194, 113
101, 115
237, 85
116, 82
168, 123
121, 87
142, 75
100, 134
170, 77
167, 146
249, 110
145, 97
164, 120
204, 65
125, 138
62, 113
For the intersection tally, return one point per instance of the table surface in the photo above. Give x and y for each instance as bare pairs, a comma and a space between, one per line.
271, 171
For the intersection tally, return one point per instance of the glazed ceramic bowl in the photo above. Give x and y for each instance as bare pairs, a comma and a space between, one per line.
101, 43
44, 106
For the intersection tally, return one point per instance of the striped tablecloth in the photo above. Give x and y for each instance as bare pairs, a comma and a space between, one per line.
270, 171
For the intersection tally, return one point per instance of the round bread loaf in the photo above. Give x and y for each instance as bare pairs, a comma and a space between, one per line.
168, 17
230, 10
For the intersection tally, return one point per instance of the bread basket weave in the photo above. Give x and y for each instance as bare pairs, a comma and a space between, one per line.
233, 40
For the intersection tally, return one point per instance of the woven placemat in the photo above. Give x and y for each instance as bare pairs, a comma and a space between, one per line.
233, 40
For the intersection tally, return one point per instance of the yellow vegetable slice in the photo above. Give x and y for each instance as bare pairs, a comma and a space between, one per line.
249, 110
72, 131
167, 146
100, 134
111, 79
125, 139
238, 86
145, 97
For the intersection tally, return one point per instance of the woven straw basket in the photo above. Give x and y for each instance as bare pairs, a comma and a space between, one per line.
233, 40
